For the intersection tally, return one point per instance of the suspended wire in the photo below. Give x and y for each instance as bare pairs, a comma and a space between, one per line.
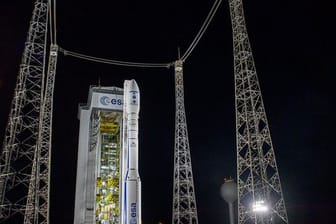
144, 65
54, 13
202, 30
50, 22
115, 62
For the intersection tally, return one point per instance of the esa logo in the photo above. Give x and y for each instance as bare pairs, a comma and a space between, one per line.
133, 219
105, 100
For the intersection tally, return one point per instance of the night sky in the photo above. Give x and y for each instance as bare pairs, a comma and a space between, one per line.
293, 43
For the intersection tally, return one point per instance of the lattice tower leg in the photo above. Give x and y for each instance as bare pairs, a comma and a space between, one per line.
22, 128
37, 209
184, 202
257, 172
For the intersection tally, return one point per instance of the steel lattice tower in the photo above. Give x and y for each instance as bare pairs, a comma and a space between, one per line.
257, 172
25, 158
184, 202
37, 206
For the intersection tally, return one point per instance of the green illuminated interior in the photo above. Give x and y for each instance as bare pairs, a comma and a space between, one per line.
107, 183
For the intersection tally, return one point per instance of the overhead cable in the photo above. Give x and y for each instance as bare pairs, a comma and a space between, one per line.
115, 62
145, 65
50, 21
54, 14
202, 30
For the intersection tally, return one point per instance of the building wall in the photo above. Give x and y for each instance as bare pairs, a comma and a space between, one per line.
99, 157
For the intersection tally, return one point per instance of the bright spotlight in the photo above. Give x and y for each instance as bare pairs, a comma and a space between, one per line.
259, 206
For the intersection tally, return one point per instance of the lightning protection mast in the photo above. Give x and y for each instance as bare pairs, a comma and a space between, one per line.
25, 157
184, 202
260, 198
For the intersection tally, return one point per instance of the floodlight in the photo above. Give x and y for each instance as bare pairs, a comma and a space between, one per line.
259, 206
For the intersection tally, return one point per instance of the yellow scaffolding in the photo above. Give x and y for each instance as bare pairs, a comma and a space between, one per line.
107, 183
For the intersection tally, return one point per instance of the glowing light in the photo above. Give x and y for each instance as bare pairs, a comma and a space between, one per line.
259, 206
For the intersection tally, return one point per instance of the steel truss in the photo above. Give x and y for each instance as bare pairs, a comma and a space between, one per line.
25, 158
257, 172
184, 202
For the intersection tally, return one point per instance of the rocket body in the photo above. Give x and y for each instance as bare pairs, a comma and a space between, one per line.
132, 183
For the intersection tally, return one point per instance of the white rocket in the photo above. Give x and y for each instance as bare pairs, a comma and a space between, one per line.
131, 189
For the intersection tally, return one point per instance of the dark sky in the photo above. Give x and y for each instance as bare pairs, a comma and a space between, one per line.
294, 50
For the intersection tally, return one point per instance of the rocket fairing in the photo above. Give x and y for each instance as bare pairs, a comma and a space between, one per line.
131, 190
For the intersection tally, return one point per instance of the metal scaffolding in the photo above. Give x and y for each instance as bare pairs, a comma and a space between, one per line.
25, 158
260, 198
184, 202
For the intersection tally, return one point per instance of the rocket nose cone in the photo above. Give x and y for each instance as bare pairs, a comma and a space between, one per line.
132, 96
133, 85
